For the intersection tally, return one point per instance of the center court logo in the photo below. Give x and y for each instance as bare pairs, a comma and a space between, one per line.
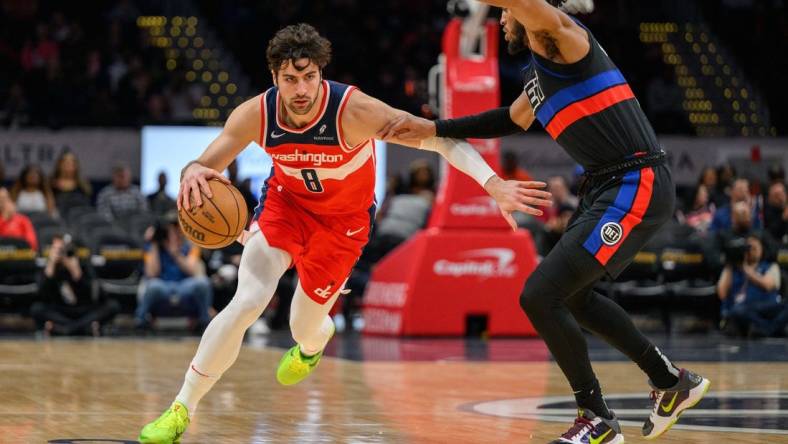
611, 233
485, 263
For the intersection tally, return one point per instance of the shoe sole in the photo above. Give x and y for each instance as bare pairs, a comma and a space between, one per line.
706, 384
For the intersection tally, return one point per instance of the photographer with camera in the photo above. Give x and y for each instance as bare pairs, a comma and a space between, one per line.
749, 290
173, 272
66, 304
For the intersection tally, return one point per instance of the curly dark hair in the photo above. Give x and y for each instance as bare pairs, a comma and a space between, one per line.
298, 42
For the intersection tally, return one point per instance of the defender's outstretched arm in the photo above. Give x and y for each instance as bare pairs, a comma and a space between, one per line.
365, 116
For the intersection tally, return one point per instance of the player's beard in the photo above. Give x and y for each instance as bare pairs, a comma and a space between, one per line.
519, 39
293, 109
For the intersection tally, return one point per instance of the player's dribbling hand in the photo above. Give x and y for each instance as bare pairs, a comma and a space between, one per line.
407, 127
195, 180
512, 195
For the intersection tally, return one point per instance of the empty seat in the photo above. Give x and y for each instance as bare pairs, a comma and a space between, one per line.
75, 212
117, 264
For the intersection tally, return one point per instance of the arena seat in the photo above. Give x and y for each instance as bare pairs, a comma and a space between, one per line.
18, 275
76, 212
117, 264
86, 225
136, 224
640, 287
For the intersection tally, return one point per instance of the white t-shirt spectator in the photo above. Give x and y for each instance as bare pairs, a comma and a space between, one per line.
31, 202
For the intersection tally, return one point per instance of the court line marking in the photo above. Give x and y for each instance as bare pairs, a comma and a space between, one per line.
529, 408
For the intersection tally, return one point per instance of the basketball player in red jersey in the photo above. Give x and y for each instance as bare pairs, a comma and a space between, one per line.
315, 211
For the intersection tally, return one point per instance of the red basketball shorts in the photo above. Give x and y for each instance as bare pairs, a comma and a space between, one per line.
323, 248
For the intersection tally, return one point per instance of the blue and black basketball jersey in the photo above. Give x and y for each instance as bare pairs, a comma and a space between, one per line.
588, 108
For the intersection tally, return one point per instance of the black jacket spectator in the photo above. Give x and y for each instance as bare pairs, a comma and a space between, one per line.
66, 305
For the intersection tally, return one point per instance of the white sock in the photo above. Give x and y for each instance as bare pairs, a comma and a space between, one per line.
195, 386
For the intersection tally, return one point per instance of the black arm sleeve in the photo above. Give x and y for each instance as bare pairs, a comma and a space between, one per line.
487, 125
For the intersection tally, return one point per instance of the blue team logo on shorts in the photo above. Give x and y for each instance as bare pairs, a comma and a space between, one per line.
611, 233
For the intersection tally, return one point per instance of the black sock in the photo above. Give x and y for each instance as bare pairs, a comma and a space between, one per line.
591, 398
660, 370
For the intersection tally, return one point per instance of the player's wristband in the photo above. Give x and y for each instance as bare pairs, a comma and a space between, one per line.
487, 125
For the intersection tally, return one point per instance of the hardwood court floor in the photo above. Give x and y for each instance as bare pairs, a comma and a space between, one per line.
108, 389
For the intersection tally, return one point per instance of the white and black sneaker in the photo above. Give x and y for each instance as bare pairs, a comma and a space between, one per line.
591, 429
671, 402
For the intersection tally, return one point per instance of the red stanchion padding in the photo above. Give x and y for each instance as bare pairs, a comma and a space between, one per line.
434, 281
470, 85
468, 262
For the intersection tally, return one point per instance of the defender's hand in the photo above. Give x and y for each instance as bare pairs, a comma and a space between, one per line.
407, 127
195, 179
512, 195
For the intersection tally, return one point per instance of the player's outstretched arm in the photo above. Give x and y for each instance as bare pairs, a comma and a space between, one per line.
490, 124
241, 128
365, 116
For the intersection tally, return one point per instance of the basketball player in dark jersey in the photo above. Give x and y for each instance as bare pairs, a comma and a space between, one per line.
583, 101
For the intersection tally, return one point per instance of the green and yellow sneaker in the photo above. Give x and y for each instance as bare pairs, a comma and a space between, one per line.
294, 367
168, 428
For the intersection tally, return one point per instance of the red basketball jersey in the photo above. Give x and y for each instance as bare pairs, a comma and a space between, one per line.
313, 165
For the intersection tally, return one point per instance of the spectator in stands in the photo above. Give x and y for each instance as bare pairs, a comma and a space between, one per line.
160, 202
121, 199
776, 173
70, 189
13, 224
401, 216
2, 174
559, 188
555, 226
708, 178
66, 305
740, 192
726, 175
31, 192
511, 169
422, 179
38, 53
775, 213
700, 213
749, 290
173, 269
16, 111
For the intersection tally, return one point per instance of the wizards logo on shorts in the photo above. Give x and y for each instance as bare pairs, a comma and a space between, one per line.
611, 233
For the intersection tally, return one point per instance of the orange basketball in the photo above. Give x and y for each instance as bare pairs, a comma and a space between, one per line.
220, 219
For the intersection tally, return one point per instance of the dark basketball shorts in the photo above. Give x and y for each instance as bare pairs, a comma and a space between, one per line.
614, 220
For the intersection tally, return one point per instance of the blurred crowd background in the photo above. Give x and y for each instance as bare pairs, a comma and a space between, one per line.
77, 252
